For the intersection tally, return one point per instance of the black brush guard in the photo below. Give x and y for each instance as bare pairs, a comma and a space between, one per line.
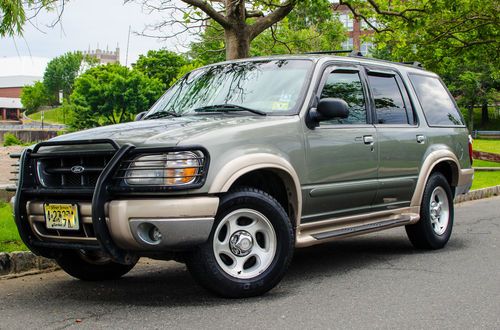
28, 189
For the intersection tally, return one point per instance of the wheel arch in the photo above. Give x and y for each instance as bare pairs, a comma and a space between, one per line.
257, 164
443, 161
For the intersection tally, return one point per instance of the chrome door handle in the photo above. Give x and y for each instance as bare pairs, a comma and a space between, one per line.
368, 139
420, 138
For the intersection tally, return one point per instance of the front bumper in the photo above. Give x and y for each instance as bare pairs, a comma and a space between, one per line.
182, 222
114, 221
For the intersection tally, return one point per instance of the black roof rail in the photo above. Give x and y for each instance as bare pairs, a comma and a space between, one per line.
414, 63
342, 51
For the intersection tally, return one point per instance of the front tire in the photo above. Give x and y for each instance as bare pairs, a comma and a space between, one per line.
433, 230
249, 249
91, 266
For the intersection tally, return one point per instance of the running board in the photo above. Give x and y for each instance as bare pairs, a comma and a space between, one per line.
363, 228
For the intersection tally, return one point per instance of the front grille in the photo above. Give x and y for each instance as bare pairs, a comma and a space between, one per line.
72, 171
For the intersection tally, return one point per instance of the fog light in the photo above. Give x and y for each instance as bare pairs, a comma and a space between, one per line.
155, 234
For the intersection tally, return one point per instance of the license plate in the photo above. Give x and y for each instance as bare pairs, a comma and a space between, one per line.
61, 216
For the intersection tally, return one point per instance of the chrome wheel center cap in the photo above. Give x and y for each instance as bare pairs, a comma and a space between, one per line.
241, 243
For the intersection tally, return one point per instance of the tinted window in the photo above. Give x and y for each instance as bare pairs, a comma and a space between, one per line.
389, 104
439, 108
346, 86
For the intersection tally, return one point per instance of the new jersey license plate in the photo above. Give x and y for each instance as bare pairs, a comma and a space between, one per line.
61, 216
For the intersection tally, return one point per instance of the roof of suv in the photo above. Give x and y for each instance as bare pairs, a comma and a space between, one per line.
348, 59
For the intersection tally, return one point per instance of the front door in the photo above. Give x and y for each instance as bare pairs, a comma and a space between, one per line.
342, 154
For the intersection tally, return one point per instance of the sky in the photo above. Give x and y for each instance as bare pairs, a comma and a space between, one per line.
85, 23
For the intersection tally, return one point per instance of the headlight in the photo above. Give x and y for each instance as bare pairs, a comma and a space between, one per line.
168, 169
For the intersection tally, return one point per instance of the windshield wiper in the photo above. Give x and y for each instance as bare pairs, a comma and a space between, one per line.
228, 107
161, 114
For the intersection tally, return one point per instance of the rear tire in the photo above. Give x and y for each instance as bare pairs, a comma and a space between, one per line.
91, 266
249, 249
433, 230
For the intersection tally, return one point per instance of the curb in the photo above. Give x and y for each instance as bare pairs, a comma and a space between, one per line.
17, 264
478, 194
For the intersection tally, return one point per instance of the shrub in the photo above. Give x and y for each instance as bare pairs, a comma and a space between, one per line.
10, 139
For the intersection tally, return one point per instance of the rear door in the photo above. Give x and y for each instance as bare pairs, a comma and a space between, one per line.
341, 154
401, 144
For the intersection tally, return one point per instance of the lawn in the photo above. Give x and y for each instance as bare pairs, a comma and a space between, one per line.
54, 116
485, 179
484, 163
9, 237
487, 145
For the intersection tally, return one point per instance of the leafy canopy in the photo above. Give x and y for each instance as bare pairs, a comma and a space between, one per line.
161, 64
33, 97
111, 94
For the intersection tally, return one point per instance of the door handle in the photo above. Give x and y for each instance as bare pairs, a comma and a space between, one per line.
368, 139
421, 138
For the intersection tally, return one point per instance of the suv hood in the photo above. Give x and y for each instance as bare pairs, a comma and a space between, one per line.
165, 132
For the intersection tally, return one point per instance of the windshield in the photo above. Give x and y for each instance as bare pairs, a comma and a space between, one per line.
269, 87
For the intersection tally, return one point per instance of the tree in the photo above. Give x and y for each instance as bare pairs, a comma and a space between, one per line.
33, 97
458, 39
62, 71
111, 94
15, 13
311, 26
242, 20
161, 64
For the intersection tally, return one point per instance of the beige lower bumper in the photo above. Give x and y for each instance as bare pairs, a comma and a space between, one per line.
181, 221
465, 178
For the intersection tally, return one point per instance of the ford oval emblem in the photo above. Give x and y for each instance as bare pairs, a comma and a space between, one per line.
77, 169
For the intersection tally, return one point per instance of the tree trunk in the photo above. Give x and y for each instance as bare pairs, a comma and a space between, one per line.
484, 113
471, 117
237, 43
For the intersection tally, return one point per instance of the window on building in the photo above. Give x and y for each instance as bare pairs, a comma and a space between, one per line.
366, 26
389, 104
439, 108
346, 86
347, 21
348, 44
365, 48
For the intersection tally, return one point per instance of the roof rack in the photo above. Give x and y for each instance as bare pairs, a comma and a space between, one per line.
414, 63
342, 51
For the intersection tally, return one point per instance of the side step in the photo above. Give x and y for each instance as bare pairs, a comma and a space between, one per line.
363, 228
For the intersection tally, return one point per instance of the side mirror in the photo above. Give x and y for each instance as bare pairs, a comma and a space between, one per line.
331, 108
140, 115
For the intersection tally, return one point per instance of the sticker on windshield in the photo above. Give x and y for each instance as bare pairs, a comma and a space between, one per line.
280, 105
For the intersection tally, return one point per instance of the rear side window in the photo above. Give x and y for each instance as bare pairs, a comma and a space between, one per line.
389, 104
438, 106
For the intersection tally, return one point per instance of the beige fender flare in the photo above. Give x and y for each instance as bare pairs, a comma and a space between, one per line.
234, 169
433, 159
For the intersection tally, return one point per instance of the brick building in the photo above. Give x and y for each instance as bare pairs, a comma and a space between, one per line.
356, 29
10, 95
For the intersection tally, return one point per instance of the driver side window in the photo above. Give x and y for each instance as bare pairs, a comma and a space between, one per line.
346, 86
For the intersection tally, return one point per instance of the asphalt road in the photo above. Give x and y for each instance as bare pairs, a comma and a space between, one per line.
375, 281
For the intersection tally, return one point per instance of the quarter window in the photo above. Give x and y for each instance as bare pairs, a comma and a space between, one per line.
438, 106
389, 104
346, 86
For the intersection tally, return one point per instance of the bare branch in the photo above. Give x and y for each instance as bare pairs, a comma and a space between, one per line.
209, 10
267, 21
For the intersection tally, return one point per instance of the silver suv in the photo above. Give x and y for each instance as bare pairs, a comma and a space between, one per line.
241, 162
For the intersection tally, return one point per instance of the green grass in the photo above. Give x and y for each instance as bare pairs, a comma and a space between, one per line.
54, 116
9, 237
487, 145
485, 179
484, 163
